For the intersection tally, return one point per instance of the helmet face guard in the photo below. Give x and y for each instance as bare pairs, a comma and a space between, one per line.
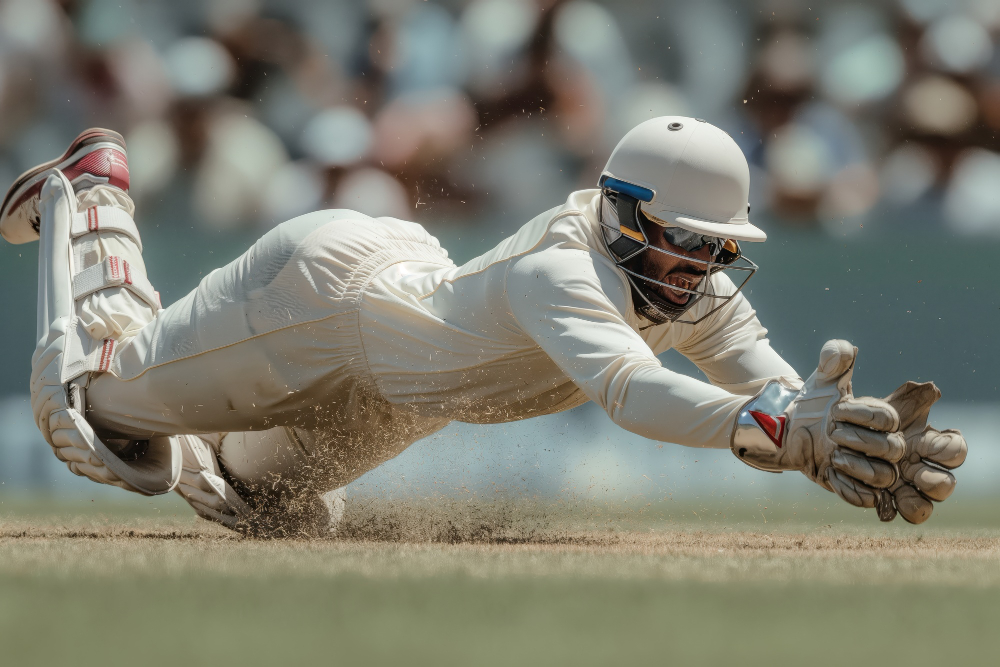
623, 226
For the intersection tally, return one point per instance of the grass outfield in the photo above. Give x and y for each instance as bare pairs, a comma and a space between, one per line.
471, 583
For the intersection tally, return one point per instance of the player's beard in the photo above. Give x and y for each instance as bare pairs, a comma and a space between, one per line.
687, 275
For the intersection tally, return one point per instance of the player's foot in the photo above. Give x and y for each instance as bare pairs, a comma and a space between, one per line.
96, 157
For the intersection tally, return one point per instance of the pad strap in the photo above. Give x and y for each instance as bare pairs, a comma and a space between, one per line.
83, 354
114, 272
105, 219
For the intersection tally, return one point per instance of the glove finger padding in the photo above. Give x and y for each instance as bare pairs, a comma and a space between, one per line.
928, 451
912, 505
913, 401
867, 411
947, 448
851, 490
933, 482
874, 473
835, 359
889, 447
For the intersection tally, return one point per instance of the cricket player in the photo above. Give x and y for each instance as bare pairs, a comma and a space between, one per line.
338, 340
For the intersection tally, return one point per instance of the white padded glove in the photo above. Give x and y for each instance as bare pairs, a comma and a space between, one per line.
923, 469
846, 444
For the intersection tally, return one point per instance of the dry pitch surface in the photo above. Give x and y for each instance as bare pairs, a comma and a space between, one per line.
470, 582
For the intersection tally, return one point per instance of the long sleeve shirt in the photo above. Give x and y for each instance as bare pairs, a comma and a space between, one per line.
545, 322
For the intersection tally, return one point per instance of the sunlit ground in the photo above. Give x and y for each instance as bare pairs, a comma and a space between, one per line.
451, 581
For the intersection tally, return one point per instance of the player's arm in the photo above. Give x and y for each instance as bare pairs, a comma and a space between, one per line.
571, 302
731, 346
870, 452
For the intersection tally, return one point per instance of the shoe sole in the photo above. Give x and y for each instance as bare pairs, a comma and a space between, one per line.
89, 141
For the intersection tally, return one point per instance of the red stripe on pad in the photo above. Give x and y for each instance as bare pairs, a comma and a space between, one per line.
107, 354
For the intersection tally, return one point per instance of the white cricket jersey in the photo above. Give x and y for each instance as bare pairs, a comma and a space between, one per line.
365, 334
545, 322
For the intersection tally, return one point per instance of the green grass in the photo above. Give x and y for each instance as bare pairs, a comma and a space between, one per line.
462, 620
143, 583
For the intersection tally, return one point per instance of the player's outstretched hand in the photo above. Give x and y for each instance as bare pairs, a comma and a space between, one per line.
849, 445
929, 454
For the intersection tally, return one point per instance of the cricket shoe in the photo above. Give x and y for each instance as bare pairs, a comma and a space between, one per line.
96, 157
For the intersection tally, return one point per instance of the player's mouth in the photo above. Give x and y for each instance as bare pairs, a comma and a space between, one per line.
683, 281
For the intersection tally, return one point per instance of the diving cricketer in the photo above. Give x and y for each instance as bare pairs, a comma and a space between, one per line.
338, 340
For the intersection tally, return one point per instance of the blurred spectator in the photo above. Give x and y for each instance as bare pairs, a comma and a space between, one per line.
487, 111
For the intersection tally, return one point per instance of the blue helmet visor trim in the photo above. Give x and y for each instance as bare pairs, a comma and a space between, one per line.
634, 191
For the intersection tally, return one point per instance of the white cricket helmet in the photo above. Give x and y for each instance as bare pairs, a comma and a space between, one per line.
687, 181
699, 177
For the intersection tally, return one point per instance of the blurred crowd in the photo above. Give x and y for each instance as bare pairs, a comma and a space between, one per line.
244, 113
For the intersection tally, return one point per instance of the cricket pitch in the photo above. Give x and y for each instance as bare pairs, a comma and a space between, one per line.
473, 582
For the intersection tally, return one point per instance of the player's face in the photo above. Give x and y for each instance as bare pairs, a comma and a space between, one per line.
673, 270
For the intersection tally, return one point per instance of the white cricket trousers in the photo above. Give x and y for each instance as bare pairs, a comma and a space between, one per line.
270, 340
